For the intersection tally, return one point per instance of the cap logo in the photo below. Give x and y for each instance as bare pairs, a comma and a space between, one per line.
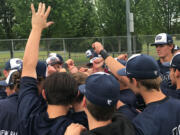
158, 37
128, 73
18, 61
156, 72
109, 102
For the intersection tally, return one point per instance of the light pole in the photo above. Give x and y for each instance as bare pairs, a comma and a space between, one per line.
128, 28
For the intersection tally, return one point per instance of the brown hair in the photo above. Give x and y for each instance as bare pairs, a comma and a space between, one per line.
150, 84
100, 113
80, 79
16, 77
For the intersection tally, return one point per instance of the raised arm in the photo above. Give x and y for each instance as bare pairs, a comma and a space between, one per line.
112, 64
39, 22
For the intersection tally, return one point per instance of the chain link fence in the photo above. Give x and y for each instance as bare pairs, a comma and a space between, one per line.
75, 47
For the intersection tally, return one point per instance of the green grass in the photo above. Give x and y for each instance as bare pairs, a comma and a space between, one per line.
79, 58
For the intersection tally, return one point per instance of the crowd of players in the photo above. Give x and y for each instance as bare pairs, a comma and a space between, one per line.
110, 96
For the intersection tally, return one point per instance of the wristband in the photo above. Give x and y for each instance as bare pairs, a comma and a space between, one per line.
104, 54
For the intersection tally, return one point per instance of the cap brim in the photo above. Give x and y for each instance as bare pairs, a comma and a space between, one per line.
122, 72
166, 64
160, 43
123, 62
3, 83
89, 64
82, 88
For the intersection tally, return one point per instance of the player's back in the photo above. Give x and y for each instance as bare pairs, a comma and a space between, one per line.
159, 118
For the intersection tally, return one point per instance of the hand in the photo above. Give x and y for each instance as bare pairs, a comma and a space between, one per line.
123, 57
82, 69
97, 46
39, 18
119, 104
73, 69
74, 129
70, 63
50, 70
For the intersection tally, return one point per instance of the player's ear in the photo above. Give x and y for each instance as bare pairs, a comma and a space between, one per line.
134, 81
5, 73
177, 73
44, 94
84, 102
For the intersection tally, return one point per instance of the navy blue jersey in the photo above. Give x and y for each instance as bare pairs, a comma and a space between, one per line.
128, 97
163, 69
8, 115
140, 104
33, 119
128, 111
170, 90
3, 94
159, 118
79, 117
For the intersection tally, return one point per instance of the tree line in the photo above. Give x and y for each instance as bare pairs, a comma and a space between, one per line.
91, 18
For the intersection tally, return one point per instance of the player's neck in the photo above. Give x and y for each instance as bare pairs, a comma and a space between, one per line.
55, 111
152, 96
94, 123
78, 107
166, 59
178, 85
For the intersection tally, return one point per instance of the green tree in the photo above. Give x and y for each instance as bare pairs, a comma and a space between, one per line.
7, 18
112, 17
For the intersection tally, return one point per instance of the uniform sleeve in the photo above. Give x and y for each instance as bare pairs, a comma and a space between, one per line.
28, 98
129, 112
145, 125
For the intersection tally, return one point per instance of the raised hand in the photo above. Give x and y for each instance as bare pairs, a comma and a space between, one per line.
97, 46
39, 18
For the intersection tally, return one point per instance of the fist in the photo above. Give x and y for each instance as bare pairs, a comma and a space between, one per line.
74, 129
97, 46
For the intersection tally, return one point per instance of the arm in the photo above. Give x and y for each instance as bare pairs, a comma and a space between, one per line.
112, 64
39, 22
28, 100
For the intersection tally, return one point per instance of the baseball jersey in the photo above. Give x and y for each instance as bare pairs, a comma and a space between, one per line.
79, 117
128, 97
3, 94
33, 118
159, 118
163, 69
128, 111
8, 115
170, 91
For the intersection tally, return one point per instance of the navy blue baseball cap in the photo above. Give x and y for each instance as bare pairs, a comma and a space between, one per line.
175, 62
123, 62
14, 63
141, 66
101, 89
163, 39
41, 68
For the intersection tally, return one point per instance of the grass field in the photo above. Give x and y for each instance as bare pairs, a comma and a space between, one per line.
79, 58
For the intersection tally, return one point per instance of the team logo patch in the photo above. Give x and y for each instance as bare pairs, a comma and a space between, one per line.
158, 37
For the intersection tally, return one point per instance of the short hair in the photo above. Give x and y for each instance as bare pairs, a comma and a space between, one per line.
60, 88
16, 76
80, 79
150, 84
100, 113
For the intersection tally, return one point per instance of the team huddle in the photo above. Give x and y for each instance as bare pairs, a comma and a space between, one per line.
109, 96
